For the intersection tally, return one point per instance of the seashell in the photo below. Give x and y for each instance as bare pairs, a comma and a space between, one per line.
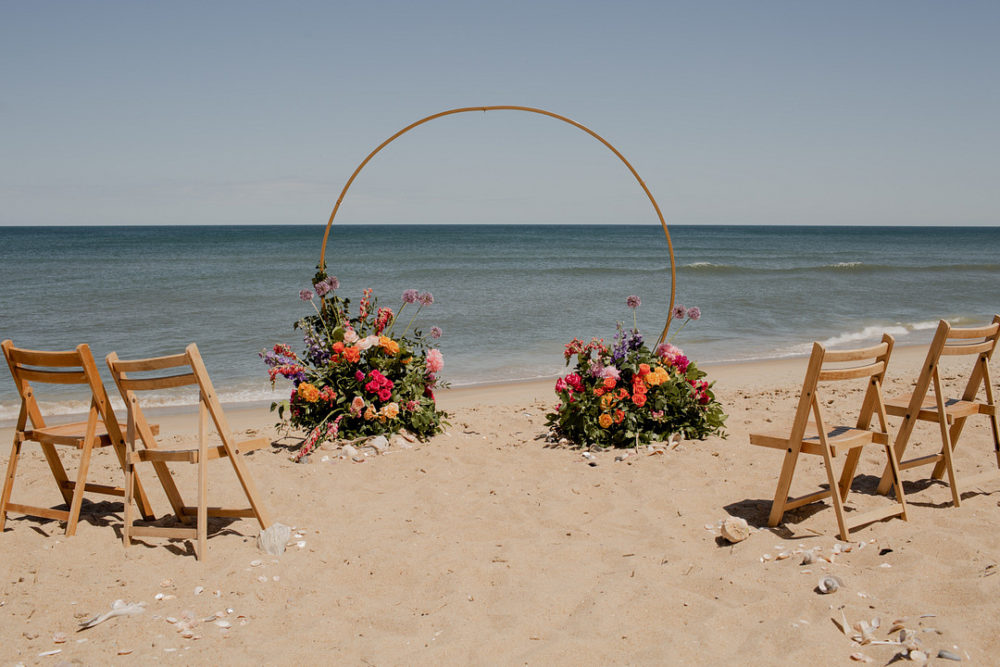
829, 584
262, 579
808, 557
917, 656
734, 529
256, 563
169, 597
198, 590
59, 638
125, 651
46, 654
765, 557
158, 596
945, 654
897, 625
166, 583
782, 556
300, 544
170, 619
224, 624
861, 657
217, 594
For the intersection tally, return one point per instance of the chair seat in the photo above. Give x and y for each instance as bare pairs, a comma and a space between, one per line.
955, 408
73, 434
841, 438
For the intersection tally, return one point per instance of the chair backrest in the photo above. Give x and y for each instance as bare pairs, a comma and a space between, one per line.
67, 367
980, 342
839, 365
167, 372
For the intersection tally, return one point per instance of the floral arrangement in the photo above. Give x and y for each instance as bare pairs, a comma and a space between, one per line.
358, 376
626, 394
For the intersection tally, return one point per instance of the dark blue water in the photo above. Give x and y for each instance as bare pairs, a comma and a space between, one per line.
508, 297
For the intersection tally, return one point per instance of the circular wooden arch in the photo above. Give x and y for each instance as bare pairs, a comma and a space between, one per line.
543, 112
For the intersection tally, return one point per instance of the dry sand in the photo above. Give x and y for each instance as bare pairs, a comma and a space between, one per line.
488, 545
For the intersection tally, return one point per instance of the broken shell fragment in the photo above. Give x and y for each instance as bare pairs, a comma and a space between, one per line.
861, 657
829, 584
735, 529
808, 557
59, 638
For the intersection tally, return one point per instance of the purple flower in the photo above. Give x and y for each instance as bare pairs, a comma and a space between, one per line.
633, 301
426, 299
326, 286
410, 296
694, 312
679, 312
436, 332
305, 295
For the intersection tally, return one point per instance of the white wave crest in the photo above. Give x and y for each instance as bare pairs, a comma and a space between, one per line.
845, 265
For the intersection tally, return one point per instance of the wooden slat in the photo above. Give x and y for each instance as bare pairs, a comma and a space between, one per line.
52, 377
44, 512
977, 348
974, 332
230, 513
837, 356
50, 359
251, 445
921, 461
185, 455
152, 383
867, 370
151, 364
119, 491
158, 531
792, 503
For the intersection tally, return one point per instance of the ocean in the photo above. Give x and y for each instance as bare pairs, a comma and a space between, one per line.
508, 297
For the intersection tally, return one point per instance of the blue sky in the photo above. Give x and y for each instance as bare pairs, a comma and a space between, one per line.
733, 112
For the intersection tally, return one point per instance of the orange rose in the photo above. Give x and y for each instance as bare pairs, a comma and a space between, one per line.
643, 369
609, 383
308, 392
599, 391
619, 416
390, 346
639, 399
604, 420
353, 354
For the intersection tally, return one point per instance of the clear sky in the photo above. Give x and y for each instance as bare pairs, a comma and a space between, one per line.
763, 112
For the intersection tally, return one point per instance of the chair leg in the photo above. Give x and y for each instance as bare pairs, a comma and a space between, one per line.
946, 451
202, 507
78, 488
8, 484
127, 513
897, 482
838, 503
784, 484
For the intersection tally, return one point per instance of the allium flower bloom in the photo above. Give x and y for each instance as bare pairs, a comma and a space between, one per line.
410, 296
326, 286
426, 299
305, 295
694, 312
436, 332
679, 312
435, 361
633, 301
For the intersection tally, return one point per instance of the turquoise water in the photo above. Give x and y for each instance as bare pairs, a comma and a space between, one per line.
507, 297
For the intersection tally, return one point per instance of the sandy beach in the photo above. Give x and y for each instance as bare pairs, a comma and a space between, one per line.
489, 545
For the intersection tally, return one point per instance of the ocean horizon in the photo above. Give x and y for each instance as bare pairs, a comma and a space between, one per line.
508, 297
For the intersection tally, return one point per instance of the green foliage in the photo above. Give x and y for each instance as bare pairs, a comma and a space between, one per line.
356, 377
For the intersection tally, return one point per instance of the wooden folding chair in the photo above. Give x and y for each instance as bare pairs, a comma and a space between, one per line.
827, 441
187, 369
978, 342
101, 429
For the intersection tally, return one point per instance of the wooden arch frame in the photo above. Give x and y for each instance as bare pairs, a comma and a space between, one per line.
543, 112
